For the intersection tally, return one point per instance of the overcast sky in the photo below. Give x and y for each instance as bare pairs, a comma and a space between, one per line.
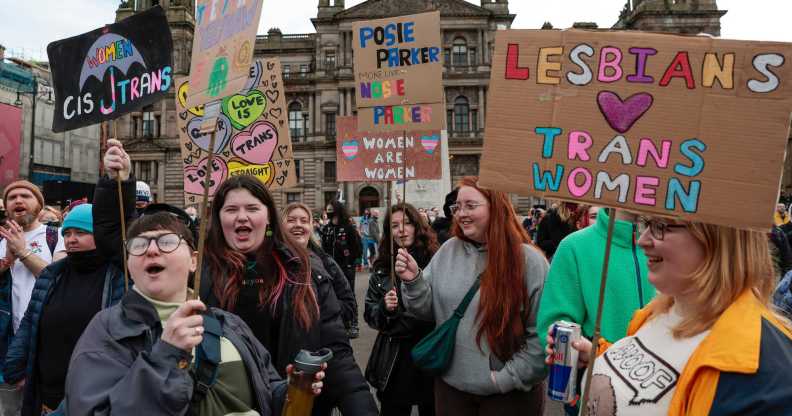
29, 25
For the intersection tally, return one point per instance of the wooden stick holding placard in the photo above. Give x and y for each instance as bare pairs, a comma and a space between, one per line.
211, 111
123, 215
598, 322
404, 183
393, 240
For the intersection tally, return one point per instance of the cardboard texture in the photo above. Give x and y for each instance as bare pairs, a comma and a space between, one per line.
252, 134
108, 72
222, 52
398, 66
382, 157
688, 127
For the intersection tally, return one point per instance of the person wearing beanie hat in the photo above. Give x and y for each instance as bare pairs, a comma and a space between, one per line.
27, 247
142, 195
66, 296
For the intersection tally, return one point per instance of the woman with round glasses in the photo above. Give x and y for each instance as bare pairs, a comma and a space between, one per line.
709, 343
497, 365
255, 271
156, 352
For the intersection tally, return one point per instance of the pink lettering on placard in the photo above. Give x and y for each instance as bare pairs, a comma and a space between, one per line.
610, 57
646, 147
579, 143
574, 188
645, 190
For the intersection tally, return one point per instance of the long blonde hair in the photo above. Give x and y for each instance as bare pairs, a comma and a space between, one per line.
734, 261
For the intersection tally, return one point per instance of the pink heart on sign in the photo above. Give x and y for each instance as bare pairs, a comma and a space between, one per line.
621, 115
194, 176
257, 145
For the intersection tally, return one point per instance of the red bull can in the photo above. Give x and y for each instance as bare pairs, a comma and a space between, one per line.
562, 385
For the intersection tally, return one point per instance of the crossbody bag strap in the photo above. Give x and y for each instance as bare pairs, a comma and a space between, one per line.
460, 310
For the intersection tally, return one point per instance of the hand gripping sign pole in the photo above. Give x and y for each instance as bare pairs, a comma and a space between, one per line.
123, 215
598, 322
211, 112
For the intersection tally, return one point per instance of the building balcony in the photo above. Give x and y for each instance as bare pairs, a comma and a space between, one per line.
298, 77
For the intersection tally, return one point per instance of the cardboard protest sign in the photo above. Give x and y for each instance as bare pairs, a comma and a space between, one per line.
225, 36
372, 157
252, 134
108, 72
399, 73
687, 127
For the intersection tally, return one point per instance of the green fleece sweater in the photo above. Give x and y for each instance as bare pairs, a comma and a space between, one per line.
571, 290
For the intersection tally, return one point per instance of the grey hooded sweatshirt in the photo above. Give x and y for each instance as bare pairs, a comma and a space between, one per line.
439, 289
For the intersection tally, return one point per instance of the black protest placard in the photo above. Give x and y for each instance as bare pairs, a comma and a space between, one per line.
108, 72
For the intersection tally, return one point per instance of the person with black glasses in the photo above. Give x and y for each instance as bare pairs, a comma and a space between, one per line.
156, 352
571, 292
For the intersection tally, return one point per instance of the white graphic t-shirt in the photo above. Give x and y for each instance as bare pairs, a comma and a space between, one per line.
638, 375
23, 279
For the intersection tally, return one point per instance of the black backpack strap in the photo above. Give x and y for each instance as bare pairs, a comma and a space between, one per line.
207, 359
52, 239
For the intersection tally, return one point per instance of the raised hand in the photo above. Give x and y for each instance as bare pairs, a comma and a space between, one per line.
184, 329
406, 267
116, 160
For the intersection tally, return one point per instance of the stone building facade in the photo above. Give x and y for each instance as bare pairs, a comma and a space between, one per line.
320, 86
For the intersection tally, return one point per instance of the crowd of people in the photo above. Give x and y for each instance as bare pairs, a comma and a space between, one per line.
695, 317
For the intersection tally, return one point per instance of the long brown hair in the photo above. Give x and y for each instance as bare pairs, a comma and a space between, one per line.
228, 266
425, 237
504, 297
734, 261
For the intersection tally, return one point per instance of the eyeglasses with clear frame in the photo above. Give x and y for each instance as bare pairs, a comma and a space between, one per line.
657, 228
465, 207
166, 243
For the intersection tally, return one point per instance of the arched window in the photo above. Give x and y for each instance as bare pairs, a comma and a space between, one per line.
461, 114
459, 52
295, 120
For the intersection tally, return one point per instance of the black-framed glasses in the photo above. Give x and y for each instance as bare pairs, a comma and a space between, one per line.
465, 207
166, 243
658, 228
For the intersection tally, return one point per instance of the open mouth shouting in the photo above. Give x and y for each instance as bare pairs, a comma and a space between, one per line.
154, 269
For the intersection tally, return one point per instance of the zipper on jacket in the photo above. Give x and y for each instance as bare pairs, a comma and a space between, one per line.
637, 267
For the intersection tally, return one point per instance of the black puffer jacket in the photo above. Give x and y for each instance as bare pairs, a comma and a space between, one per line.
343, 292
345, 387
390, 368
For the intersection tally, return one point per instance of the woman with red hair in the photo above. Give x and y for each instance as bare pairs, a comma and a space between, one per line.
497, 366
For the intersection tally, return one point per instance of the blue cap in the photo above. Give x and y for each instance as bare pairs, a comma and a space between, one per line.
81, 218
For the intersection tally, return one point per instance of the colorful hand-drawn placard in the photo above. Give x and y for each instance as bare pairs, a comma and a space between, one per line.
225, 35
678, 126
252, 135
383, 156
398, 66
108, 72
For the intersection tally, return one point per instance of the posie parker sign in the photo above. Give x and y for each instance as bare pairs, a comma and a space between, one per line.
688, 127
399, 73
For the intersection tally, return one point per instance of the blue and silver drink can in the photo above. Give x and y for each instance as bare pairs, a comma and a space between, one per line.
563, 371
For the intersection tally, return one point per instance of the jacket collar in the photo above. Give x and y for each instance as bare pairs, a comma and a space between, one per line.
734, 341
135, 316
623, 231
